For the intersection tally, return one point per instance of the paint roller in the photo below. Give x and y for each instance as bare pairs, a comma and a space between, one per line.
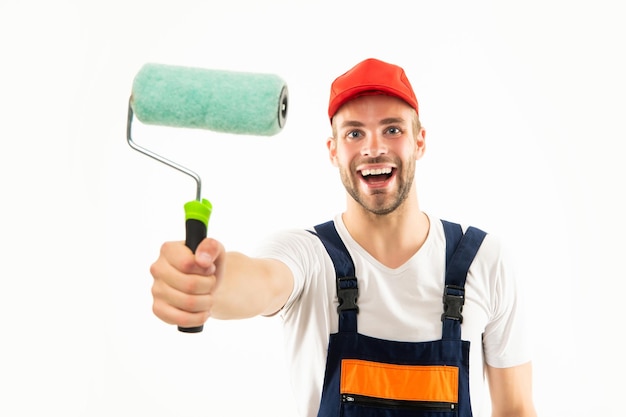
243, 103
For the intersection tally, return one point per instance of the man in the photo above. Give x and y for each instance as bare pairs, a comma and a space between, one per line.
370, 333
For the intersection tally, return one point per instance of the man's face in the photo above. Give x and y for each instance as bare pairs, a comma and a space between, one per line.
375, 148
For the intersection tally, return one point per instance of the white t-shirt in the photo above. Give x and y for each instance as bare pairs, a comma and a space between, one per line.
403, 304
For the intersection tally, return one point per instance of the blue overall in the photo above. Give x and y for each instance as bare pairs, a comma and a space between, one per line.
371, 365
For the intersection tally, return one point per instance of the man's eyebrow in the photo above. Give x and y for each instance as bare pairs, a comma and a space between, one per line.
392, 120
352, 123
385, 121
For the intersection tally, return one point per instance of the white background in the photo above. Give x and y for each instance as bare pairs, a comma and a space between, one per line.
524, 107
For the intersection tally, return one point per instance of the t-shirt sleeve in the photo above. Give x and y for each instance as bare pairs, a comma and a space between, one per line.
506, 340
297, 250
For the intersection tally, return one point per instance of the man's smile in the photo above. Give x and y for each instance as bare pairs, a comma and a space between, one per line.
376, 176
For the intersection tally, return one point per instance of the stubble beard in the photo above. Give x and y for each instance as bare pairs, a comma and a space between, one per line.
383, 203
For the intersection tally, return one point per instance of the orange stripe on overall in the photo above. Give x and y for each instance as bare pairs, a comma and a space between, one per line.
399, 382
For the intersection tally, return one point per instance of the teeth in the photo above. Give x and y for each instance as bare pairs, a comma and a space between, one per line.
377, 171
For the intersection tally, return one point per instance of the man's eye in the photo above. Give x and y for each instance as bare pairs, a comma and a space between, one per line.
354, 134
394, 131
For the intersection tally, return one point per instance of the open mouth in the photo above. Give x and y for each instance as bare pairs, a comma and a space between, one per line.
377, 176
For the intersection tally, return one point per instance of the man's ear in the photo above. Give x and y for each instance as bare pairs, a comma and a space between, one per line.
331, 144
420, 144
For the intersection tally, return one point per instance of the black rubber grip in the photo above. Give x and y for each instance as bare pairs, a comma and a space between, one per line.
195, 232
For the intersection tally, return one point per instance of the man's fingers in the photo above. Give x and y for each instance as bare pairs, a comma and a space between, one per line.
197, 284
178, 285
172, 315
184, 283
208, 253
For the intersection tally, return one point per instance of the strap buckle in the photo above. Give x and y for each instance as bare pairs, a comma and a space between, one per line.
453, 300
347, 293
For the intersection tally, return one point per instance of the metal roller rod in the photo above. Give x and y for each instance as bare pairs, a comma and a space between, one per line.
160, 158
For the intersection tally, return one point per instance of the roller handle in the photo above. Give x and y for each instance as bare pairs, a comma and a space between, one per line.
196, 222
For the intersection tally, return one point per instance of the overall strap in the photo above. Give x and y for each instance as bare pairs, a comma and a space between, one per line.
461, 248
347, 287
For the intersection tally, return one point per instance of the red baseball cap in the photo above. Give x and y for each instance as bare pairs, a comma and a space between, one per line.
370, 77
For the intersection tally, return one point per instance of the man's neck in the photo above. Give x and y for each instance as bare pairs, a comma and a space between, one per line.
391, 238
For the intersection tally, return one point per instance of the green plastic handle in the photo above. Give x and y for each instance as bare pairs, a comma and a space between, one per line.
197, 215
199, 210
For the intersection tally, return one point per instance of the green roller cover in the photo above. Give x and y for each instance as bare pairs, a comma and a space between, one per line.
223, 101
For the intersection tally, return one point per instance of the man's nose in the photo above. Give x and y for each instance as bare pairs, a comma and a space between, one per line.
374, 146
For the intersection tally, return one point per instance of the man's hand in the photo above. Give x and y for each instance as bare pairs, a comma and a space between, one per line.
185, 283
